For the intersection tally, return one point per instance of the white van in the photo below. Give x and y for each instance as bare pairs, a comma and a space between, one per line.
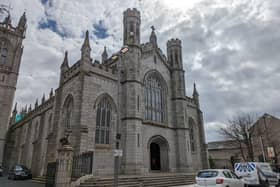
256, 173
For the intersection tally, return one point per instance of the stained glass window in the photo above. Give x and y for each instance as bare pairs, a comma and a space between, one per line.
154, 100
50, 123
192, 137
3, 53
103, 122
68, 112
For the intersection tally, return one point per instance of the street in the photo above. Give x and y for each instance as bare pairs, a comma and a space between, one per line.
4, 182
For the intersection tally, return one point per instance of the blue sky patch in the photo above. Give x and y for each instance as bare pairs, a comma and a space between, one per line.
52, 25
44, 2
100, 31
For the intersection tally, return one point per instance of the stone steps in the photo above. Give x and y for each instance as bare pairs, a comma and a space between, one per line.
39, 179
160, 180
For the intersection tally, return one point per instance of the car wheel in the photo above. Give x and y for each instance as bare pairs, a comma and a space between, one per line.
266, 183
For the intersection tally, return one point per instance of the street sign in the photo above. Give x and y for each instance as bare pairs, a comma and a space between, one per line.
118, 152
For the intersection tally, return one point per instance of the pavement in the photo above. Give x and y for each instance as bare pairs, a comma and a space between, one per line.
4, 182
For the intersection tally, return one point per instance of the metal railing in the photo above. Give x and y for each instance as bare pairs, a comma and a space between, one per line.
82, 165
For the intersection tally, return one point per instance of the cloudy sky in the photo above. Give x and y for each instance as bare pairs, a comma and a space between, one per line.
231, 48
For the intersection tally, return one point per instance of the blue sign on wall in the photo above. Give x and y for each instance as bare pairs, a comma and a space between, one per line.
19, 117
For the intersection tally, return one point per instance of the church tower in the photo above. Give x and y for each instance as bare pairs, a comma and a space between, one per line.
174, 53
131, 87
131, 27
10, 57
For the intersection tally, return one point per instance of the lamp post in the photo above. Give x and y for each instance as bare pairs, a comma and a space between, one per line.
118, 152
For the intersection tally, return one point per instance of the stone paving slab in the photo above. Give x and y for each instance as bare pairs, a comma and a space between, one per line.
4, 182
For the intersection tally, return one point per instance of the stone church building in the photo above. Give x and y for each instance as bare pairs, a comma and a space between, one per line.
136, 97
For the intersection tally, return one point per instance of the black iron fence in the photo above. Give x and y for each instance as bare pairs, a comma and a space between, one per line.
82, 165
51, 172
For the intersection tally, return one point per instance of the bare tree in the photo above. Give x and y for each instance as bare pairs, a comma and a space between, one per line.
238, 129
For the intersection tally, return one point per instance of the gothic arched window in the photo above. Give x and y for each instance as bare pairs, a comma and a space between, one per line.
192, 137
68, 112
154, 99
36, 131
50, 123
103, 121
3, 52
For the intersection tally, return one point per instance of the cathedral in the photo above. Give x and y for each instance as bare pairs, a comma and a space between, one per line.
134, 100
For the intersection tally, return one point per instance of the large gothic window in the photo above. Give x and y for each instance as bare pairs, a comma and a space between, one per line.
103, 121
154, 99
36, 131
68, 112
3, 52
192, 136
50, 123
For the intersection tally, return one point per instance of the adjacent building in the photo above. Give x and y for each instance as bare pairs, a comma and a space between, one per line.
223, 154
265, 140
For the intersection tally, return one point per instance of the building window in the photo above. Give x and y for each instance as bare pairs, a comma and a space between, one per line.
192, 137
68, 112
50, 123
3, 53
154, 99
37, 131
103, 122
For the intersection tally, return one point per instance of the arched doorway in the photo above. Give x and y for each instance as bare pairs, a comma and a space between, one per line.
158, 150
155, 156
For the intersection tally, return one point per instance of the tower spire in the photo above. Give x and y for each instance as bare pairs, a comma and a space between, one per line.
65, 63
195, 95
104, 55
51, 93
22, 23
195, 92
153, 37
36, 103
8, 20
64, 67
43, 98
86, 48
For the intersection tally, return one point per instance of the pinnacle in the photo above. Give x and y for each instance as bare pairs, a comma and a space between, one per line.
195, 92
86, 41
65, 61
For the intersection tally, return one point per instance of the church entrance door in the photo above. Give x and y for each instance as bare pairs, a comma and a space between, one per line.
158, 150
155, 156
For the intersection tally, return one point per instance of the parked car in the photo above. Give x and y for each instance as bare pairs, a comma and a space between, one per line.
276, 169
19, 172
256, 174
218, 178
1, 171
